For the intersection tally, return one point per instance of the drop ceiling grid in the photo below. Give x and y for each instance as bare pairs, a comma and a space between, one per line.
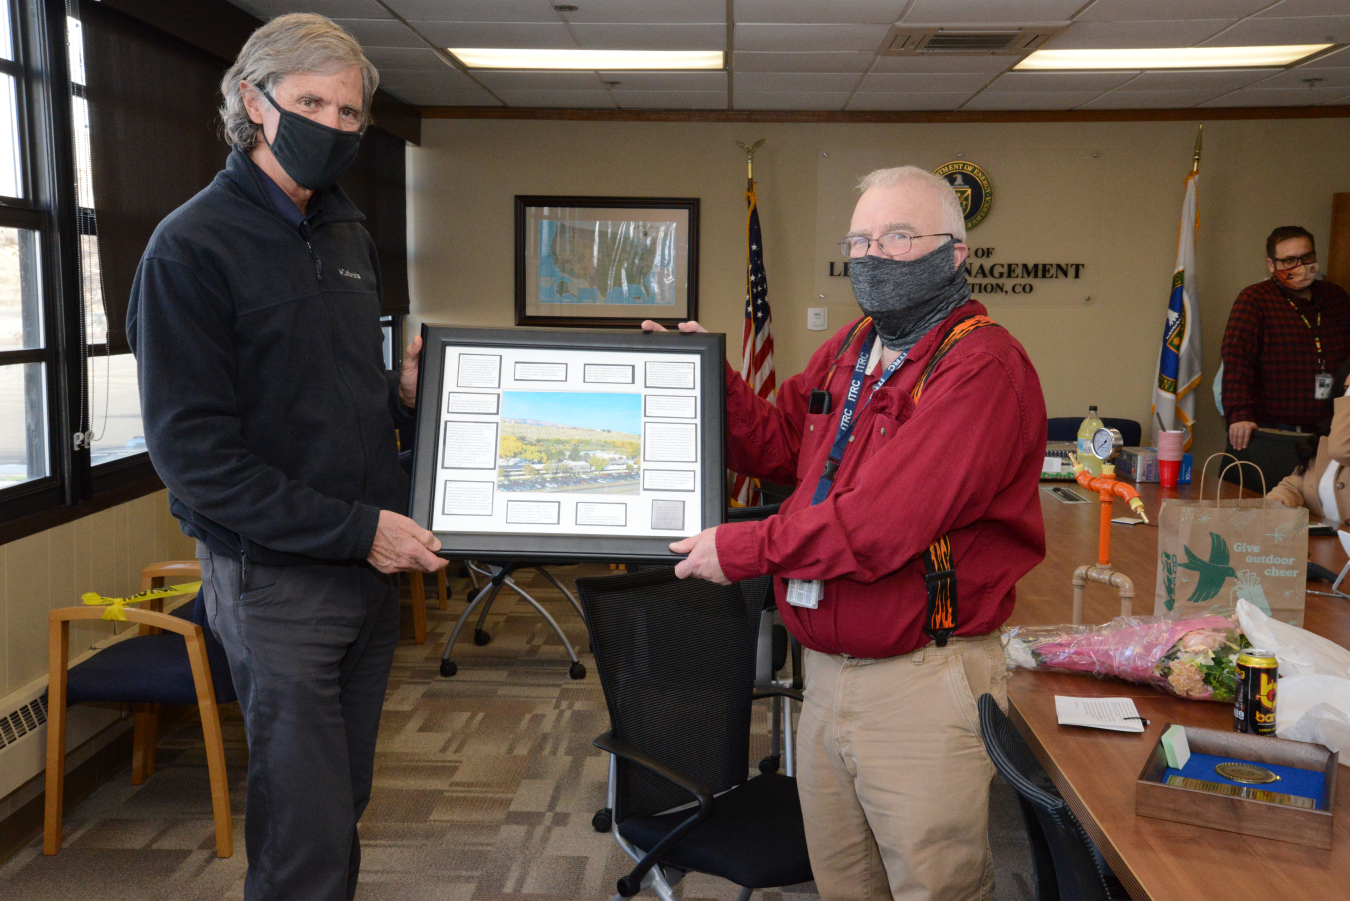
810, 55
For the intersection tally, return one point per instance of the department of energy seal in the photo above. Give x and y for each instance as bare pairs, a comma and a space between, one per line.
972, 189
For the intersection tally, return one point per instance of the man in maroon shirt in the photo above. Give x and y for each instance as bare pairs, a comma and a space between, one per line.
1285, 337
893, 776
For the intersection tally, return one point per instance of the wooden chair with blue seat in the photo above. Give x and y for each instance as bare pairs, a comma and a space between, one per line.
1065, 428
185, 666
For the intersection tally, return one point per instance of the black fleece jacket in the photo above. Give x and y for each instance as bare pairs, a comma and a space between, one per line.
268, 412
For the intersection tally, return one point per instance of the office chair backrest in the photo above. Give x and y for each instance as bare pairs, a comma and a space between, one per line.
676, 660
1078, 872
1065, 428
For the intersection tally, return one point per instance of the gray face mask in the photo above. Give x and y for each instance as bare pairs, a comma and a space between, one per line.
906, 298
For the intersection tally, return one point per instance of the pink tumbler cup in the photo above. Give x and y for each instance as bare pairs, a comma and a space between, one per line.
1170, 451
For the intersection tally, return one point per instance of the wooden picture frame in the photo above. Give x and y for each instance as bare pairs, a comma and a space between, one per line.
566, 445
605, 261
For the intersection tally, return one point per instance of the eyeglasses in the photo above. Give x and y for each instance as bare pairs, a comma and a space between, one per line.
1284, 263
893, 245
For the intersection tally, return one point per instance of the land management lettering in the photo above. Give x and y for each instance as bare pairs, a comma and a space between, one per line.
988, 275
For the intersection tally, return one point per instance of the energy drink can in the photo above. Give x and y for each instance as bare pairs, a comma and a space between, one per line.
1254, 695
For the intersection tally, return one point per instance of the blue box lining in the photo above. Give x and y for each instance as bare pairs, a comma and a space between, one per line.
1293, 781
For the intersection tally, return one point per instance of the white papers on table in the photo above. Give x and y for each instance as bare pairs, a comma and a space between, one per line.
1052, 466
1118, 714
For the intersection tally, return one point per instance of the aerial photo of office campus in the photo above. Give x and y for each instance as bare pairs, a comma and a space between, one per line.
554, 441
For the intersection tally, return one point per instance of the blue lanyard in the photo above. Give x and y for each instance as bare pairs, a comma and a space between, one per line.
847, 419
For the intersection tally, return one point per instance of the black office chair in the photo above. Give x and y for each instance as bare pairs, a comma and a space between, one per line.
676, 661
1065, 862
1065, 428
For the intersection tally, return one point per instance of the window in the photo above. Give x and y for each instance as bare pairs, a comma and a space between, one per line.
70, 412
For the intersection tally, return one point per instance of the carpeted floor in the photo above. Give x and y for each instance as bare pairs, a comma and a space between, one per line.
485, 785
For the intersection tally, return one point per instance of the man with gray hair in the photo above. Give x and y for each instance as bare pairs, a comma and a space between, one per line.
915, 438
254, 318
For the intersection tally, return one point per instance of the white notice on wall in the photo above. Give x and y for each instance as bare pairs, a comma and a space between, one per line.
469, 445
468, 498
479, 371
591, 514
663, 374
670, 442
671, 406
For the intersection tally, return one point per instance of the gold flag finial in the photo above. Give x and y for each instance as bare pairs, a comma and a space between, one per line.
1195, 160
750, 161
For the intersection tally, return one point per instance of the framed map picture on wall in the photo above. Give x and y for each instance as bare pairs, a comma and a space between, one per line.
550, 445
595, 261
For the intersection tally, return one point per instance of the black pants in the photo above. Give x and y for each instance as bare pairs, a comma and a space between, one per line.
1274, 453
310, 649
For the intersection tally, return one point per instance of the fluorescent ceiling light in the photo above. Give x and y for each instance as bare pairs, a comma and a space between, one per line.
1171, 57
608, 60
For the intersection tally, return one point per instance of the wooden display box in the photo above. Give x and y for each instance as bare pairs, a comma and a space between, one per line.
1153, 798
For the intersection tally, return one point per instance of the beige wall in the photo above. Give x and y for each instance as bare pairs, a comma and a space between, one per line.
103, 552
1256, 174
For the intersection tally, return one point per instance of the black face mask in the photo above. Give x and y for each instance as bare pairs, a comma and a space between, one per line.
906, 298
314, 155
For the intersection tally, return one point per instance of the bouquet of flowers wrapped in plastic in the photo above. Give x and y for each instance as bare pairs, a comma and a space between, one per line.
1190, 658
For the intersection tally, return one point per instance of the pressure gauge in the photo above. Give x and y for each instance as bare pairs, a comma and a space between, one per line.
1106, 444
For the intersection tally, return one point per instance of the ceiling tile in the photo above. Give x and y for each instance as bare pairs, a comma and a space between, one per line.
475, 10
447, 87
916, 82
943, 63
671, 99
527, 36
404, 57
809, 37
1214, 81
985, 12
668, 81
1149, 100
1332, 60
808, 82
1306, 8
333, 9
909, 100
1012, 100
1311, 30
499, 80
1026, 82
651, 37
1294, 78
627, 11
1279, 97
794, 100
825, 61
381, 32
559, 99
1100, 35
1159, 10
853, 12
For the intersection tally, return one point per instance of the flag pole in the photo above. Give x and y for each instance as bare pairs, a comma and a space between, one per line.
1195, 160
750, 162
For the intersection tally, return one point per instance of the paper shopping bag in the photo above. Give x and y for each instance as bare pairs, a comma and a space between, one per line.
1213, 552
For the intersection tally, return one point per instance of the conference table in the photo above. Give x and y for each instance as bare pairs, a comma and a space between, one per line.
1095, 770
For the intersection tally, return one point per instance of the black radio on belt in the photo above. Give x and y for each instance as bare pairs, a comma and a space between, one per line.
820, 402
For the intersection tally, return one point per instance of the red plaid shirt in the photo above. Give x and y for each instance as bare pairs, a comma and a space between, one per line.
1270, 356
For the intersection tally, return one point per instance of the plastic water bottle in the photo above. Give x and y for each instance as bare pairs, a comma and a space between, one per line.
1091, 423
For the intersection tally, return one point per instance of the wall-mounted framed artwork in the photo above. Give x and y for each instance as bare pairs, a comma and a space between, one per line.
554, 445
598, 261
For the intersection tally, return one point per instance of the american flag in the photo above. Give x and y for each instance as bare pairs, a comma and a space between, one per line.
756, 338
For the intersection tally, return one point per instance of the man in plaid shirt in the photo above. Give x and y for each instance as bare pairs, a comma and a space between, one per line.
1285, 337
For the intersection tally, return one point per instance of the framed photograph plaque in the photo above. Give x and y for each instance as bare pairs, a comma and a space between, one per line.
597, 261
568, 445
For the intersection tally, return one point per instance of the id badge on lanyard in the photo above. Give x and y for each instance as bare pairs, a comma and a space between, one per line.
807, 593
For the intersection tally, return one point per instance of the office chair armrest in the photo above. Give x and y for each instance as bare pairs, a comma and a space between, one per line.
793, 693
631, 884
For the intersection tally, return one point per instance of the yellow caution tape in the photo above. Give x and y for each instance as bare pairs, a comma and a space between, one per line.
116, 606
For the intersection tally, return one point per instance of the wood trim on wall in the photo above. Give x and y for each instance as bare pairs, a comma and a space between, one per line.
890, 118
1337, 253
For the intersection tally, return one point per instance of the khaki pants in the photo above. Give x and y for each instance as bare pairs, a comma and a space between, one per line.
894, 779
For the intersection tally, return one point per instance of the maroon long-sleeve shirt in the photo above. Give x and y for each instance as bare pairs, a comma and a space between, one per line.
965, 462
1270, 358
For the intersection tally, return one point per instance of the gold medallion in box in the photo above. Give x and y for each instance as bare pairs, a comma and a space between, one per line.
972, 189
